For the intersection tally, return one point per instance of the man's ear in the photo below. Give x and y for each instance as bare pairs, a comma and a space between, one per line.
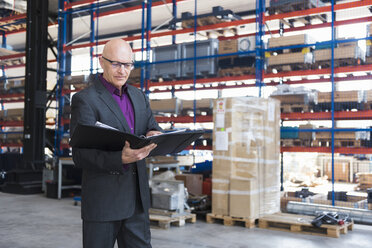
100, 61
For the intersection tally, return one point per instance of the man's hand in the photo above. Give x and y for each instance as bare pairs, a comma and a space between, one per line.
129, 155
152, 133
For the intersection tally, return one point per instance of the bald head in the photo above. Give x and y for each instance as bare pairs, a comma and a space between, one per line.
116, 50
117, 47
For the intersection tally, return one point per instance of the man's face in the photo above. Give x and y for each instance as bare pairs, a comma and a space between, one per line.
116, 76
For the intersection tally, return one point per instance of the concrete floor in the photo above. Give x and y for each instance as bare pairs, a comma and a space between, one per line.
34, 221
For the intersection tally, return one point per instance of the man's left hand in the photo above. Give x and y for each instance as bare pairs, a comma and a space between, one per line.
152, 133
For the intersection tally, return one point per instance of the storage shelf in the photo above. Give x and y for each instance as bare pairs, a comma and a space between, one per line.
345, 69
343, 150
341, 115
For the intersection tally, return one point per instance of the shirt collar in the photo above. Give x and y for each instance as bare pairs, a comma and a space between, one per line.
111, 88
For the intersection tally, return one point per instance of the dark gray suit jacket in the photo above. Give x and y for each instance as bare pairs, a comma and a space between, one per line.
107, 189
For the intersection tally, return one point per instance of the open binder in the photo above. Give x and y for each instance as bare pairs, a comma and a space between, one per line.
96, 137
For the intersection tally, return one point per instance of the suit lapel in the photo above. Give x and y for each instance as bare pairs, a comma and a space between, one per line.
107, 98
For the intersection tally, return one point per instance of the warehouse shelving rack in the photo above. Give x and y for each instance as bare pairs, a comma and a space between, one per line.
332, 115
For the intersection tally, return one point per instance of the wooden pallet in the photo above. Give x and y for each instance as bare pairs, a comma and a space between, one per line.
337, 63
236, 71
289, 67
338, 143
301, 224
297, 7
295, 142
165, 222
295, 108
230, 221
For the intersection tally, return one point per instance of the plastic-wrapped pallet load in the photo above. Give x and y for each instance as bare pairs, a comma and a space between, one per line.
246, 151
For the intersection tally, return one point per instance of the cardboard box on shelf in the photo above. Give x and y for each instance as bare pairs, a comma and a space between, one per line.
290, 58
344, 52
193, 183
290, 40
228, 46
173, 105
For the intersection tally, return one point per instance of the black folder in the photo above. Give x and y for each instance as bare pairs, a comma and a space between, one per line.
96, 137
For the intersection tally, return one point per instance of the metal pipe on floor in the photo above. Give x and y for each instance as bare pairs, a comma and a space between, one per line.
361, 216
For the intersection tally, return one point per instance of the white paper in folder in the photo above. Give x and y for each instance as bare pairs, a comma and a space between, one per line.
222, 141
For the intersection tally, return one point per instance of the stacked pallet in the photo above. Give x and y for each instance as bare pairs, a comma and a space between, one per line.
78, 82
290, 59
237, 65
345, 54
294, 99
201, 21
11, 138
11, 61
166, 106
368, 100
11, 115
341, 138
343, 100
364, 181
285, 6
202, 105
245, 172
12, 86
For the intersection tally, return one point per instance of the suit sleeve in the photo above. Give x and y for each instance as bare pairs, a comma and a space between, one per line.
91, 159
151, 122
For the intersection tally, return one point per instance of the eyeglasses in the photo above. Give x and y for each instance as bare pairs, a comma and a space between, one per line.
117, 65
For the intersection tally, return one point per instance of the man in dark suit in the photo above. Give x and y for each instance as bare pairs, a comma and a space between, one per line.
115, 187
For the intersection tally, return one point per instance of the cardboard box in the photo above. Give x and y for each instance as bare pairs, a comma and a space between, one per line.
228, 46
290, 40
244, 196
193, 183
368, 95
345, 52
290, 58
306, 135
201, 103
220, 196
341, 170
173, 105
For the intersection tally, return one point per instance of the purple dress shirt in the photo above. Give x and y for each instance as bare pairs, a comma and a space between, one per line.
123, 101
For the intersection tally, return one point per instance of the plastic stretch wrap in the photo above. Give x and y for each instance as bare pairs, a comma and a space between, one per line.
246, 157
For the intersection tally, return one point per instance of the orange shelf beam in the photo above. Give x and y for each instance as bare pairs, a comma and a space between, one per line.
7, 96
166, 33
12, 56
11, 145
11, 123
184, 119
13, 18
345, 69
318, 10
87, 2
342, 115
343, 150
